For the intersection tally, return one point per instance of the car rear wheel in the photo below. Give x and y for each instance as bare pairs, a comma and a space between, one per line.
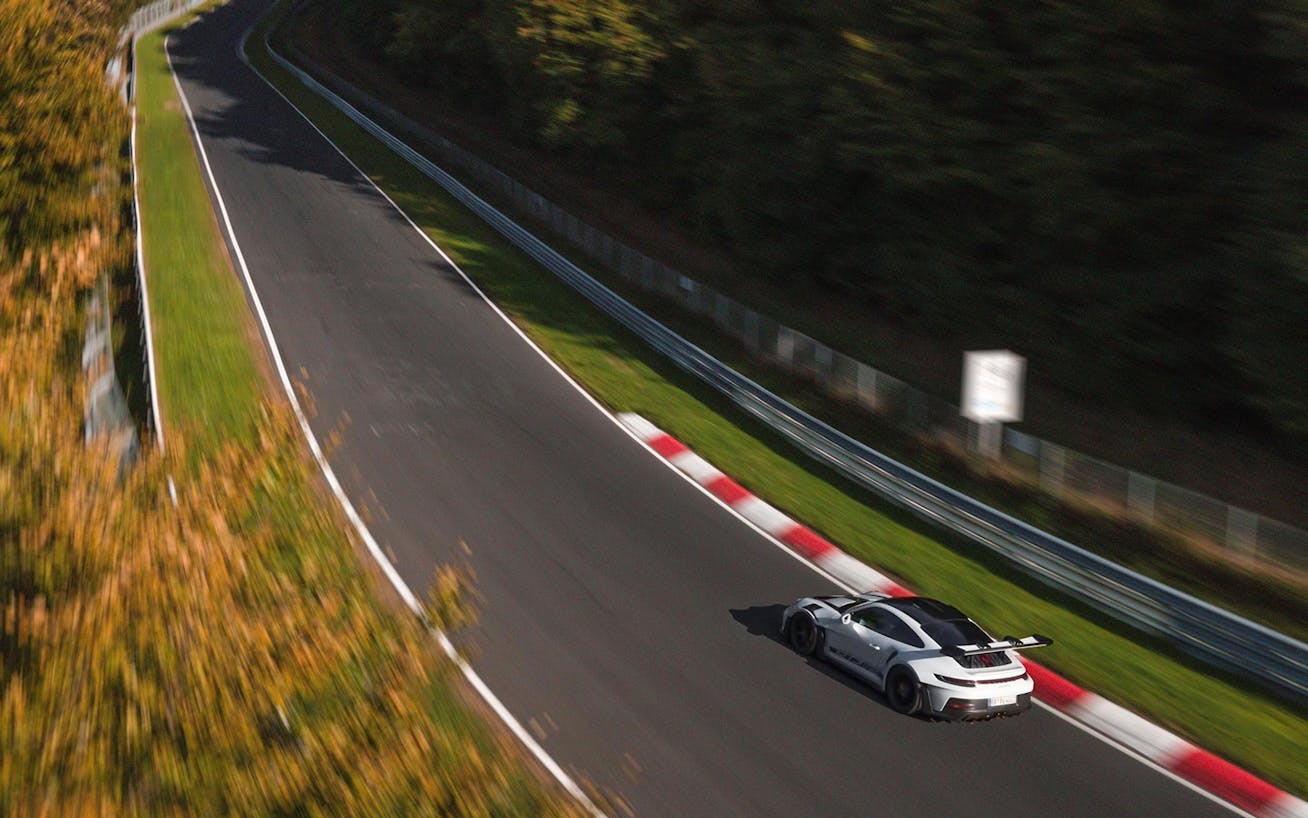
804, 634
903, 691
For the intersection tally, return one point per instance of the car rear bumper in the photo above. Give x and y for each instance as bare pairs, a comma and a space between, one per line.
963, 709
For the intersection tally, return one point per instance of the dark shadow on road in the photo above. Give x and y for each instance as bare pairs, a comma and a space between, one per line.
232, 104
761, 620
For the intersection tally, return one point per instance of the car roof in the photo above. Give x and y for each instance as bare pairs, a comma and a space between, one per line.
924, 610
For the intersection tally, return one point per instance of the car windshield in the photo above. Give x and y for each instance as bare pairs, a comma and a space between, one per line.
950, 632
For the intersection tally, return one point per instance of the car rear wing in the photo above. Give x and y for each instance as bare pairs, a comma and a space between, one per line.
1012, 643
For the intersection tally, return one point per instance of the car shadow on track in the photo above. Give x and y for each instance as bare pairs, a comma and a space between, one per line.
765, 621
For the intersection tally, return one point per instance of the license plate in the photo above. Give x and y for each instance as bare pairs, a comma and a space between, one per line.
1002, 701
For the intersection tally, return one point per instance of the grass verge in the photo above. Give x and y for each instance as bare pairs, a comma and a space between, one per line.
1253, 730
1254, 585
1251, 585
205, 339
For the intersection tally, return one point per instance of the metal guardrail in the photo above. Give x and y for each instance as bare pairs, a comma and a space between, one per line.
1203, 630
148, 18
105, 416
1083, 482
121, 72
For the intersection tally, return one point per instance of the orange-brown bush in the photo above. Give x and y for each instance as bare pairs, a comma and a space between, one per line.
59, 129
222, 657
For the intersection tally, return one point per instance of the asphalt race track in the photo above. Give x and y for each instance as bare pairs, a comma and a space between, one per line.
627, 619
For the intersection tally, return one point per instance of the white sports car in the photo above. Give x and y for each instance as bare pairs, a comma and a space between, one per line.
926, 656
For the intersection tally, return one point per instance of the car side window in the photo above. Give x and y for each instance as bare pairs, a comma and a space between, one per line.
869, 617
887, 624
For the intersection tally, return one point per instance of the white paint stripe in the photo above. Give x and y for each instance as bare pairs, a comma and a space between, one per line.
846, 584
857, 573
736, 509
355, 519
1286, 806
1146, 738
141, 278
642, 428
763, 515
374, 548
696, 467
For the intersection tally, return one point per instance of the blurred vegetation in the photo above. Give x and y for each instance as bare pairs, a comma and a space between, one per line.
54, 181
1119, 191
224, 656
227, 657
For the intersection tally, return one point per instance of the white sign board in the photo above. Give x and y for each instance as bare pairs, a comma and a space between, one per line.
992, 386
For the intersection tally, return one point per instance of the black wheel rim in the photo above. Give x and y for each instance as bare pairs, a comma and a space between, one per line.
803, 634
901, 691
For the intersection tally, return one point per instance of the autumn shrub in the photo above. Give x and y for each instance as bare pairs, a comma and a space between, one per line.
220, 652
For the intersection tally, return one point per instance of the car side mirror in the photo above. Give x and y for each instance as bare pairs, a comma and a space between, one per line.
846, 619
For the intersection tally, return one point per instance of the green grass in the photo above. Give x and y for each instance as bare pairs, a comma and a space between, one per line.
206, 357
1254, 588
1259, 591
1254, 730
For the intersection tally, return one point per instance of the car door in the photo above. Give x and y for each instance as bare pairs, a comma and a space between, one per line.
859, 642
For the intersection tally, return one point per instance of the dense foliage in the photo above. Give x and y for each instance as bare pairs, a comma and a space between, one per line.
224, 657
223, 654
52, 178
1118, 190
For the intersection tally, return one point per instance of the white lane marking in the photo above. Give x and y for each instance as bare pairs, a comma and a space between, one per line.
140, 266
855, 572
696, 467
763, 515
642, 428
1286, 806
731, 510
610, 416
846, 571
557, 771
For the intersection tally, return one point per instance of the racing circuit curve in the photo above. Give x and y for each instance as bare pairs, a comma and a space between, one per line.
629, 619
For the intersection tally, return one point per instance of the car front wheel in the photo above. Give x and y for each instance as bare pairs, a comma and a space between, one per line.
903, 691
804, 633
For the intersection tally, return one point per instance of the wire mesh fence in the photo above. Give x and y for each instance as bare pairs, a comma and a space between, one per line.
155, 14
1059, 471
1208, 632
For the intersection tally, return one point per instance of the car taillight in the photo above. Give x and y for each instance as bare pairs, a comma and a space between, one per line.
952, 681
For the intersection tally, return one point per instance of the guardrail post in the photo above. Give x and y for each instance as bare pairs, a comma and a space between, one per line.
785, 344
865, 387
720, 310
917, 416
823, 360
1140, 493
1196, 627
627, 266
1053, 462
1241, 530
608, 251
751, 330
686, 289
